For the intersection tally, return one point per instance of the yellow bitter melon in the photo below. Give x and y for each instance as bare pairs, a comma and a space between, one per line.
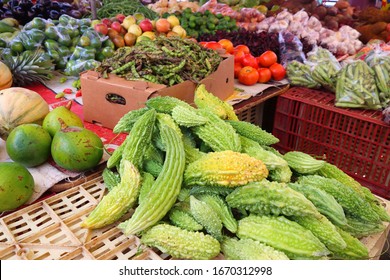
180, 243
271, 198
216, 133
207, 217
284, 235
355, 249
165, 189
352, 203
226, 168
222, 209
303, 163
118, 201
324, 230
254, 132
248, 249
204, 99
324, 202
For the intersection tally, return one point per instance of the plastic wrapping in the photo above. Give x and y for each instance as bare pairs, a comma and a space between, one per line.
354, 92
379, 60
30, 39
291, 48
299, 74
324, 67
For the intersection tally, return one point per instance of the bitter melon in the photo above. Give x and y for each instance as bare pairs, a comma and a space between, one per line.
324, 230
133, 148
186, 117
253, 149
274, 198
222, 209
359, 228
110, 178
248, 249
126, 123
303, 163
216, 133
204, 99
207, 217
254, 132
226, 168
165, 104
355, 249
326, 204
146, 185
332, 171
118, 201
180, 243
183, 219
165, 189
282, 234
352, 203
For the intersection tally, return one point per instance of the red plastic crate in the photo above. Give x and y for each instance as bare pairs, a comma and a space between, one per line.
357, 141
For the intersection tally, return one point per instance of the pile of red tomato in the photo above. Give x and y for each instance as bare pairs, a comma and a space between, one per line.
249, 69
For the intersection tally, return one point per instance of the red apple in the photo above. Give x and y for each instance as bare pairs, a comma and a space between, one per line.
120, 17
101, 28
116, 25
106, 21
146, 25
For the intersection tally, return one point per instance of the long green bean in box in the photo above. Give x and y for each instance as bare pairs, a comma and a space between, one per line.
106, 100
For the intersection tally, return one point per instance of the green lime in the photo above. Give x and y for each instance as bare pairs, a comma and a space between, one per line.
3, 44
51, 33
50, 44
65, 40
17, 47
63, 51
84, 41
100, 56
108, 52
108, 43
96, 43
61, 64
38, 23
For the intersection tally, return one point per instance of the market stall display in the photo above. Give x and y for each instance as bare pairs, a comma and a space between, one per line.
191, 177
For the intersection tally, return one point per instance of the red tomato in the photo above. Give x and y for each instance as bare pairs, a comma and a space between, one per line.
267, 58
238, 56
243, 48
278, 72
227, 45
237, 69
249, 60
265, 75
203, 44
248, 76
213, 45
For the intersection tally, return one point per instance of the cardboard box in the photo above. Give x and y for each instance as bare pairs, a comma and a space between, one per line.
98, 108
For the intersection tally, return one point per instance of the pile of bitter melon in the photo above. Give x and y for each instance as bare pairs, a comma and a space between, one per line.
201, 182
